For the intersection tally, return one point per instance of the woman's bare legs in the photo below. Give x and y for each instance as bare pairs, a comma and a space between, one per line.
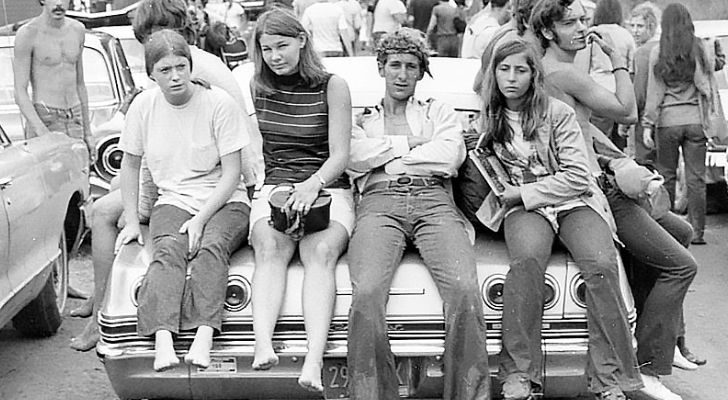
164, 355
273, 251
320, 252
199, 353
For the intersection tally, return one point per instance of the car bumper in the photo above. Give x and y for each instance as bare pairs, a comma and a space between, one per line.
130, 371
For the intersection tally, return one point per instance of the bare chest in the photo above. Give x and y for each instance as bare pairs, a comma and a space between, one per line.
397, 125
56, 49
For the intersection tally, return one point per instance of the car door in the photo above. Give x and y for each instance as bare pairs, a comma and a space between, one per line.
24, 200
5, 288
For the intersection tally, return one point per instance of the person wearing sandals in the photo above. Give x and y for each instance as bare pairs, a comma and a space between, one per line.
304, 116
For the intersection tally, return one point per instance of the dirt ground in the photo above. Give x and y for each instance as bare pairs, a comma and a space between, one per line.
40, 369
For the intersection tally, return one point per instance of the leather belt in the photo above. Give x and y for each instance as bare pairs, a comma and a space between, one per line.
404, 181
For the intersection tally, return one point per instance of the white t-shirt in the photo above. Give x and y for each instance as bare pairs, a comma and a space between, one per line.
183, 144
325, 22
478, 34
384, 15
232, 15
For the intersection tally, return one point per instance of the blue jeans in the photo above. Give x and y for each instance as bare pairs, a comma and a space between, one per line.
386, 220
169, 301
611, 361
693, 143
651, 245
66, 120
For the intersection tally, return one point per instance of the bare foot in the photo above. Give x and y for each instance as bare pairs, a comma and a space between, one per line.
310, 378
88, 338
164, 355
265, 358
84, 310
199, 353
75, 293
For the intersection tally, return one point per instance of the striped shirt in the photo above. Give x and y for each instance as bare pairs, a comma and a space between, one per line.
294, 123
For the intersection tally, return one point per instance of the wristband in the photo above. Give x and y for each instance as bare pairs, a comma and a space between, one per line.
625, 69
320, 179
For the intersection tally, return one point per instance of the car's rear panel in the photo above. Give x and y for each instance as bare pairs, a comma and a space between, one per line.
415, 320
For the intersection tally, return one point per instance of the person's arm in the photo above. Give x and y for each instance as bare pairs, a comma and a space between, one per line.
83, 96
655, 94
571, 178
433, 23
399, 12
347, 35
22, 60
130, 165
441, 149
619, 106
229, 181
339, 101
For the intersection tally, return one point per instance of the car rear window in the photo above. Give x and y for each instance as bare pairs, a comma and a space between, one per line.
134, 52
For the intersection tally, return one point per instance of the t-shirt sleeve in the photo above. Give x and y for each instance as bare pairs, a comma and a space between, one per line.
229, 129
397, 7
131, 140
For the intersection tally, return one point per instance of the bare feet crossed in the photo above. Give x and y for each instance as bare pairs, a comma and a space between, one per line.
199, 353
265, 357
164, 355
310, 378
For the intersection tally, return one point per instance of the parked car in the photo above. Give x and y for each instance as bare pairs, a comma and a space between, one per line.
108, 81
716, 173
44, 196
414, 311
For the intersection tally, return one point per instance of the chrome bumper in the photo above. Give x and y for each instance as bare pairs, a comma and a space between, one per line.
130, 371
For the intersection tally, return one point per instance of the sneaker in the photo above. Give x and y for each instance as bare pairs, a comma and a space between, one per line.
656, 390
698, 241
517, 387
679, 361
611, 394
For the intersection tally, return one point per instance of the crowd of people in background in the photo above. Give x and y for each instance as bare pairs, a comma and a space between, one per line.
586, 112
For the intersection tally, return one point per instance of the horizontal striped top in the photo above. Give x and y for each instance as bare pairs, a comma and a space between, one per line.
294, 124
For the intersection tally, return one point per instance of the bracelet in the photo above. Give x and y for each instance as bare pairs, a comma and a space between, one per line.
625, 69
320, 179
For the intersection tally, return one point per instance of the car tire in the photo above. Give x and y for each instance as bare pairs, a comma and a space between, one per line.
42, 316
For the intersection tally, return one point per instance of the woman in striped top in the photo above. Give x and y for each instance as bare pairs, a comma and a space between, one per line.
304, 115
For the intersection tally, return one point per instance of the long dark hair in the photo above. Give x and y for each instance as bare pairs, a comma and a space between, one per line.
495, 125
679, 47
279, 21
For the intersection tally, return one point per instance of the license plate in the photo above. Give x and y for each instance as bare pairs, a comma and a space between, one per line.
220, 366
716, 159
336, 378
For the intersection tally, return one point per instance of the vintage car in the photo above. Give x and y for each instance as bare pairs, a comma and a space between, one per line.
108, 81
44, 196
415, 316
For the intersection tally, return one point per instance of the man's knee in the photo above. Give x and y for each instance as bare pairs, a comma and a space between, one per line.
107, 209
319, 253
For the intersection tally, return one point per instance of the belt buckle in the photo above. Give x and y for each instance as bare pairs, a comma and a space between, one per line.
404, 180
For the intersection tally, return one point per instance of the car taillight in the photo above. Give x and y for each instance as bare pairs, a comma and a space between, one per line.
492, 292
108, 157
549, 295
237, 294
135, 291
578, 291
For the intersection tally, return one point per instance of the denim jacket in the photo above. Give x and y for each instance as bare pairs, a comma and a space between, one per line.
561, 146
372, 147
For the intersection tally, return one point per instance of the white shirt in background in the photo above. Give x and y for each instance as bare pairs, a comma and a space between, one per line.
384, 20
325, 22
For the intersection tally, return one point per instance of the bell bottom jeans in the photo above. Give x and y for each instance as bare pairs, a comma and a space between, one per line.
611, 362
386, 220
652, 246
168, 298
693, 143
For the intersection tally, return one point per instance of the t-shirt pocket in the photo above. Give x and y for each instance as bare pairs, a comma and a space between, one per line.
203, 158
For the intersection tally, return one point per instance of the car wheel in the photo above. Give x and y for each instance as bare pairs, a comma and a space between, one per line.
42, 316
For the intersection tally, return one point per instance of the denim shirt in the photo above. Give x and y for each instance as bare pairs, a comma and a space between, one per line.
372, 147
560, 144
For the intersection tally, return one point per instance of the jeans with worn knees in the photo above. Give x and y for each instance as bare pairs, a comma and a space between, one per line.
386, 220
653, 246
529, 236
170, 300
692, 141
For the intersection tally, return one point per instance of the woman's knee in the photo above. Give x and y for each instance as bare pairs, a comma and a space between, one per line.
107, 210
322, 253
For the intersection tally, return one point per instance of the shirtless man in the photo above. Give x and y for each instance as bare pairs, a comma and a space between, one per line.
562, 31
48, 56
